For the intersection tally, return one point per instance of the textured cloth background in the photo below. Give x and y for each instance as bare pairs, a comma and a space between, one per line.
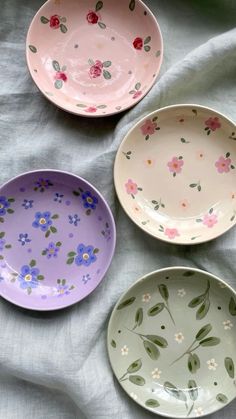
55, 365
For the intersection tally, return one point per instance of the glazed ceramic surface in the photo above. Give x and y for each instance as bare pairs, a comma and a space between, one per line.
172, 343
94, 58
175, 174
57, 238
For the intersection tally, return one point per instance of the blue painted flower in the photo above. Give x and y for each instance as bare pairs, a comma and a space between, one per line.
89, 200
2, 244
86, 278
4, 204
58, 197
42, 220
63, 290
42, 184
85, 255
27, 203
28, 277
52, 250
24, 238
74, 219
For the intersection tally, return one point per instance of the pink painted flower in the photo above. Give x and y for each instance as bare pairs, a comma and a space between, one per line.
92, 17
213, 123
137, 94
175, 165
138, 43
96, 69
223, 165
171, 233
91, 109
131, 187
210, 220
148, 128
54, 22
60, 76
184, 204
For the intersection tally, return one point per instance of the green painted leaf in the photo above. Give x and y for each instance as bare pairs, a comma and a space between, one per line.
90, 61
158, 340
203, 310
11, 200
132, 5
158, 53
138, 317
196, 301
10, 211
1, 220
192, 364
174, 391
40, 277
212, 341
44, 252
188, 273
199, 188
63, 19
99, 6
229, 366
8, 246
63, 282
58, 244
152, 351
106, 75
58, 84
1, 257
33, 49
113, 343
196, 361
70, 261
107, 64
47, 234
164, 291
101, 106
203, 332
56, 65
147, 48
137, 86
95, 251
32, 263
63, 28
232, 306
137, 380
53, 229
193, 185
44, 19
222, 398
153, 311
126, 303
193, 390
55, 216
102, 25
147, 40
135, 366
71, 254
152, 403
2, 234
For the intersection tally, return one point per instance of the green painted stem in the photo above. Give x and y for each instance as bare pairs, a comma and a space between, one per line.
123, 376
188, 351
190, 410
168, 309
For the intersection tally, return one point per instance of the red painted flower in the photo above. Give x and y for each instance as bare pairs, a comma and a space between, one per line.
54, 22
138, 43
137, 94
92, 17
148, 128
96, 69
91, 109
213, 123
60, 76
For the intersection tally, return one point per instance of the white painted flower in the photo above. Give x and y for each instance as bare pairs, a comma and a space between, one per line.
134, 396
199, 411
156, 374
181, 292
179, 337
212, 365
146, 298
222, 285
227, 325
124, 350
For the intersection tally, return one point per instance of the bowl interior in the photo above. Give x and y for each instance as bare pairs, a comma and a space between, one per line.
171, 342
57, 239
99, 57
175, 174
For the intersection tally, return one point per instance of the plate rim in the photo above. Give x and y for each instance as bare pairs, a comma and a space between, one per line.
136, 282
113, 225
116, 171
78, 112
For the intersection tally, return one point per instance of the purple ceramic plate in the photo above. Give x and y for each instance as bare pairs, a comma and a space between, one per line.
57, 239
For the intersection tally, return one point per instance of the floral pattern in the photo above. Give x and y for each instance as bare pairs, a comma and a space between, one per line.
58, 197
146, 297
60, 76
132, 188
84, 256
63, 288
181, 292
90, 201
74, 219
98, 68
139, 43
171, 233
86, 278
29, 277
5, 204
179, 337
55, 22
44, 221
212, 124
209, 220
3, 243
24, 239
42, 185
93, 16
136, 92
52, 250
227, 325
212, 365
124, 350
175, 165
149, 127
224, 164
156, 374
28, 203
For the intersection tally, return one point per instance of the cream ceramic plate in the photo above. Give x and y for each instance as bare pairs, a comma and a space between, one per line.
94, 58
172, 343
175, 174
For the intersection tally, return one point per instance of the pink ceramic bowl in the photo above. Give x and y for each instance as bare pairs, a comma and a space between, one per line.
94, 58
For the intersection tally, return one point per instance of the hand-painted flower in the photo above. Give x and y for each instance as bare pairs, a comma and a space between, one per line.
28, 277
52, 250
42, 220
212, 365
60, 75
89, 200
91, 109
175, 165
96, 69
92, 17
63, 290
210, 220
131, 187
124, 350
54, 22
138, 43
27, 203
156, 374
137, 94
179, 337
171, 233
213, 123
2, 244
85, 255
148, 128
223, 165
4, 204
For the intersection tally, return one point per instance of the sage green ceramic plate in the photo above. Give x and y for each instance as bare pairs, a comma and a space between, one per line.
172, 343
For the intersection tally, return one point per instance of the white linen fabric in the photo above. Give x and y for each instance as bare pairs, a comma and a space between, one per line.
55, 365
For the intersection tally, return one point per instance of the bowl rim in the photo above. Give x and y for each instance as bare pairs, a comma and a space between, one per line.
113, 244
133, 285
116, 171
77, 111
